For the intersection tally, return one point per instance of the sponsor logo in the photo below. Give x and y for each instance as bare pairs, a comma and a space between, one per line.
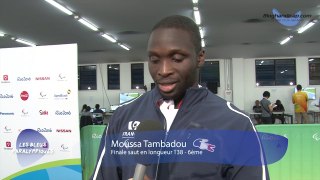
62, 95
203, 144
44, 130
43, 95
6, 96
6, 113
96, 136
63, 130
7, 129
64, 148
24, 95
24, 113
42, 78
63, 113
23, 78
132, 125
5, 79
43, 112
61, 77
8, 144
316, 136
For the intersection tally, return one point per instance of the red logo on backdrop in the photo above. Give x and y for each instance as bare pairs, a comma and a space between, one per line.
8, 144
24, 95
5, 77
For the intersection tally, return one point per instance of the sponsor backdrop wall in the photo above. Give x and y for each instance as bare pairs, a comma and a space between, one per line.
39, 126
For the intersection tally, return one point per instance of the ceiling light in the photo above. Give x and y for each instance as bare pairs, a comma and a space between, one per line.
88, 24
195, 1
25, 42
124, 46
1, 34
201, 32
203, 43
257, 84
311, 60
60, 7
310, 24
197, 17
286, 40
110, 38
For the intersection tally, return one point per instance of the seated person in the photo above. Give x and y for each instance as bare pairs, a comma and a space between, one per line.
257, 109
98, 119
278, 108
86, 117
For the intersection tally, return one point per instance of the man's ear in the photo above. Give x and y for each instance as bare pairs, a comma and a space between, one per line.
201, 58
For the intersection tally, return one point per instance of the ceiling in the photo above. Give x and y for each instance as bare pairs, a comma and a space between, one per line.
232, 28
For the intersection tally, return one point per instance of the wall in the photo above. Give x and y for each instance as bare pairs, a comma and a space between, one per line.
102, 94
246, 91
242, 83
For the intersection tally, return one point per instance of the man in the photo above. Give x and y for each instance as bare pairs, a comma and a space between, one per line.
267, 108
179, 103
300, 101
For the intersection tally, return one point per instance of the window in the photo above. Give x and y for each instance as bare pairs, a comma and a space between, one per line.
210, 75
113, 76
87, 79
275, 72
314, 71
137, 76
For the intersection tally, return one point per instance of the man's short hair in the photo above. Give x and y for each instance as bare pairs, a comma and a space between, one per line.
184, 23
97, 106
266, 94
299, 87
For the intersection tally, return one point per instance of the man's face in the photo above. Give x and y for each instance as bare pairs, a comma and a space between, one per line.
173, 62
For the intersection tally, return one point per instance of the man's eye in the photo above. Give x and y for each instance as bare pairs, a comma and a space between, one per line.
153, 58
177, 57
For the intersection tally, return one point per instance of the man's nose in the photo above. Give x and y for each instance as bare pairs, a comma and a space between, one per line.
165, 68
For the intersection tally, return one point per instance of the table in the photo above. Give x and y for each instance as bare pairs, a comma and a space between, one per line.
315, 114
251, 115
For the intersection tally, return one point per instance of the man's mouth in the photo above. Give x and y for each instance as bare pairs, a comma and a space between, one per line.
167, 87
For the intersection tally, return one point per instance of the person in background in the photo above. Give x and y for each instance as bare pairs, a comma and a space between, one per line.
177, 103
300, 101
99, 118
87, 112
86, 117
84, 107
257, 109
267, 108
278, 108
98, 110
